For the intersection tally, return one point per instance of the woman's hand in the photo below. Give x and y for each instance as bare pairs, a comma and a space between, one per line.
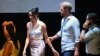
24, 53
5, 23
55, 52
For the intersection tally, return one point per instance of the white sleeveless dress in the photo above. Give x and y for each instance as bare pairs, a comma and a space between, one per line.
37, 45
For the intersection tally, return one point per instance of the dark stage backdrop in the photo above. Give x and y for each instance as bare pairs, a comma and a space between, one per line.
52, 20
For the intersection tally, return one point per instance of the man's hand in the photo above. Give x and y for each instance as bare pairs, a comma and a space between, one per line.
51, 39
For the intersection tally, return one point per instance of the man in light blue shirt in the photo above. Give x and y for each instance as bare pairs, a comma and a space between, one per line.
69, 32
92, 36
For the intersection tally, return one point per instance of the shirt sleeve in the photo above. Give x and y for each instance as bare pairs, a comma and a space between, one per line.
90, 35
76, 28
59, 33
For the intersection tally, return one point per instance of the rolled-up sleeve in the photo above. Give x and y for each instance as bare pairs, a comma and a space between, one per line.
59, 33
90, 35
76, 27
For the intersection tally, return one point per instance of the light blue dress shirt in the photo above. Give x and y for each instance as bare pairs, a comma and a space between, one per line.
92, 39
69, 33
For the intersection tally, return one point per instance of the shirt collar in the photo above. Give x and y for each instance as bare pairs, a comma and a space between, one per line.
92, 27
68, 18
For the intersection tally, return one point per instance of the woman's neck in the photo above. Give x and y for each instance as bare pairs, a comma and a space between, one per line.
34, 22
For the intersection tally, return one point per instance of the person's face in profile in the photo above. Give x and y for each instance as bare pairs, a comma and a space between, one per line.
63, 10
31, 16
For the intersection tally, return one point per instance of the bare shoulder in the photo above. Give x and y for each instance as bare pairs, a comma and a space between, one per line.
43, 25
28, 24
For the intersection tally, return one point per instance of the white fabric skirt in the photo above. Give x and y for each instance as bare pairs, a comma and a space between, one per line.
37, 48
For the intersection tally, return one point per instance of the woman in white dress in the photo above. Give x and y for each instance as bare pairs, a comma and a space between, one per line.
36, 31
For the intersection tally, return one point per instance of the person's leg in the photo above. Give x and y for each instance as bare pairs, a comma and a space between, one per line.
68, 53
42, 48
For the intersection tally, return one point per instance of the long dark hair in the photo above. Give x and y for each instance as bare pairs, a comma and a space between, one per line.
10, 29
